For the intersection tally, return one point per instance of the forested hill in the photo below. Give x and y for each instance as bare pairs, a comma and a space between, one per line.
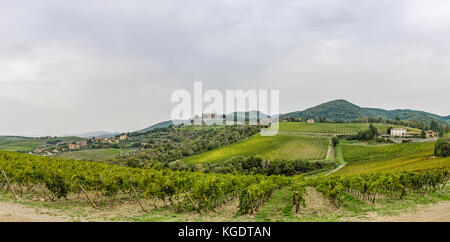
407, 114
342, 110
337, 110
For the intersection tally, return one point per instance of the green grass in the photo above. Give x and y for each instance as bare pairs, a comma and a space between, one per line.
286, 147
329, 128
93, 155
278, 208
340, 155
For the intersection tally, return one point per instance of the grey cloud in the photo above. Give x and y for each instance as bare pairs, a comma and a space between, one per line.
96, 65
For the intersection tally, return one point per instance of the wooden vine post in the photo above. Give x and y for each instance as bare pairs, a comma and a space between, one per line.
137, 197
9, 185
45, 192
297, 205
446, 180
251, 203
192, 201
87, 195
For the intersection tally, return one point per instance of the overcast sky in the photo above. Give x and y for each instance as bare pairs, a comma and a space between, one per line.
76, 66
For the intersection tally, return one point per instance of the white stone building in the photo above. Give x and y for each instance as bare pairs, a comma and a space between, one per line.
399, 132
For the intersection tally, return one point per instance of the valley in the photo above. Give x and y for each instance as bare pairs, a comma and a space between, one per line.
309, 171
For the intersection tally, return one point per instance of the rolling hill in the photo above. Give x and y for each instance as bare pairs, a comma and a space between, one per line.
337, 110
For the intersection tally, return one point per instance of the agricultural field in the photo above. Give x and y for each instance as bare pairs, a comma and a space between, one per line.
283, 147
364, 159
19, 144
329, 128
94, 155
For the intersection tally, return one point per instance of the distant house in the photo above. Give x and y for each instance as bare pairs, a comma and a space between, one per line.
123, 137
74, 146
430, 134
100, 139
310, 120
399, 132
81, 143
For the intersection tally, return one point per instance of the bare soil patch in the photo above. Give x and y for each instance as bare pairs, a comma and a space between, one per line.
438, 212
13, 212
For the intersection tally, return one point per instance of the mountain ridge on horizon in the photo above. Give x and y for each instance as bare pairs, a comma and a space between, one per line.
343, 110
98, 134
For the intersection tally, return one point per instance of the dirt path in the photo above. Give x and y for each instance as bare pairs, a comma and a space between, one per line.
330, 153
316, 203
13, 212
438, 212
336, 169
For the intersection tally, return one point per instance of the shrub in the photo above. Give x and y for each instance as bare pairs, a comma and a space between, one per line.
368, 134
442, 147
335, 141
